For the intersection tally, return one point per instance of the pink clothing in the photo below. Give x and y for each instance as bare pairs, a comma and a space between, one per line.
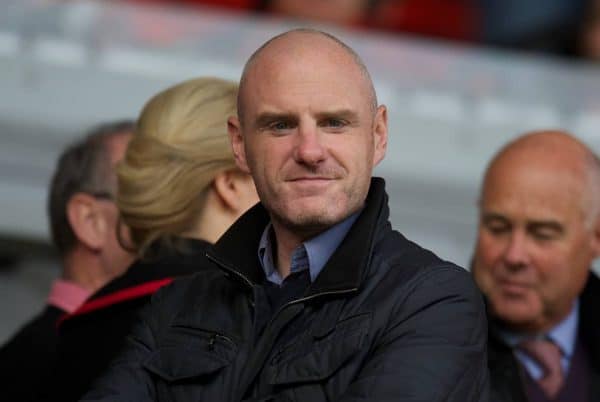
67, 295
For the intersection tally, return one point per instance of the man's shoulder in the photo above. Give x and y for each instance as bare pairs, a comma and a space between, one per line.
589, 320
416, 274
40, 332
591, 292
405, 258
588, 300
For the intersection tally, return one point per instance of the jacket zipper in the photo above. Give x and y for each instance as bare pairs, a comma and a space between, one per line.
251, 285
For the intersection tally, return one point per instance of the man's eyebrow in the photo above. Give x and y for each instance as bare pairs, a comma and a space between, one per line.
546, 224
266, 118
346, 114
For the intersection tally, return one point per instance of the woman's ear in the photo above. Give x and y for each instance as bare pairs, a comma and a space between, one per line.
235, 190
87, 220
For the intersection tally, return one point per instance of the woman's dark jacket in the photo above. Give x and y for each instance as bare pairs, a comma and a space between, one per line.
91, 337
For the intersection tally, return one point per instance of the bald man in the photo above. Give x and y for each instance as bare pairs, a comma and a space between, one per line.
539, 230
312, 296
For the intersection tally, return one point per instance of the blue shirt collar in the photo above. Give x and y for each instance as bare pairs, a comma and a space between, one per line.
564, 334
313, 254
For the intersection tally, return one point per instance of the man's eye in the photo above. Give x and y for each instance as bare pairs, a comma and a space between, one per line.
497, 229
544, 235
334, 123
280, 125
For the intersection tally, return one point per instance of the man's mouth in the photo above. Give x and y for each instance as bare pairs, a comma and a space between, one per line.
513, 287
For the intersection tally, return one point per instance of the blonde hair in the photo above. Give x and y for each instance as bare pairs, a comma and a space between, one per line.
180, 144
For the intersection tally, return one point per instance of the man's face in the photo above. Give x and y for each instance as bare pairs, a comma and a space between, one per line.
310, 137
534, 246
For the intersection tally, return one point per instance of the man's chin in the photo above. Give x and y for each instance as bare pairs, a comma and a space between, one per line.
312, 222
516, 316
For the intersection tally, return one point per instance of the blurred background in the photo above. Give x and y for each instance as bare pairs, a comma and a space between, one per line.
460, 78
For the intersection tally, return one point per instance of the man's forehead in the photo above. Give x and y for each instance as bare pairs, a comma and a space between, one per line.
535, 204
283, 79
521, 216
535, 169
287, 105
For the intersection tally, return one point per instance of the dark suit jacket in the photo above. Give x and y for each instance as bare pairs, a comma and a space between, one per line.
505, 371
91, 337
28, 358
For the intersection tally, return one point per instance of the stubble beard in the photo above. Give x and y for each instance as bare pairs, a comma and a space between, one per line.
307, 224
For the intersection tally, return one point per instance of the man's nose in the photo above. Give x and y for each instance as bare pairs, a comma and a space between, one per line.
516, 254
309, 147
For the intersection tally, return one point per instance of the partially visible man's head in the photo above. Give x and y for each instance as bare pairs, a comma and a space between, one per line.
539, 229
309, 129
80, 203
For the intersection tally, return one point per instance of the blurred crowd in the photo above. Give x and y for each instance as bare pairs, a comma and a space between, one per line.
562, 27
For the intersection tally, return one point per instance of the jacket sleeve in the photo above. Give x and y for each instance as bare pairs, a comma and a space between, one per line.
434, 348
126, 379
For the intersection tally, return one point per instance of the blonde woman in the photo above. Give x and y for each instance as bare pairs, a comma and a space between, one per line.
179, 190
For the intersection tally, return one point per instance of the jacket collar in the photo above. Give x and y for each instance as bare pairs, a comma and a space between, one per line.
163, 263
236, 250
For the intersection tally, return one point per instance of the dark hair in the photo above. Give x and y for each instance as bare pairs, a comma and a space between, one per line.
82, 167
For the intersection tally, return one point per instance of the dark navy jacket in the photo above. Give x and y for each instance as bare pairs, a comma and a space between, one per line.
384, 321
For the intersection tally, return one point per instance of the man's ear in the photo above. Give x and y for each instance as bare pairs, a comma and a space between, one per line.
87, 221
229, 188
380, 134
237, 143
